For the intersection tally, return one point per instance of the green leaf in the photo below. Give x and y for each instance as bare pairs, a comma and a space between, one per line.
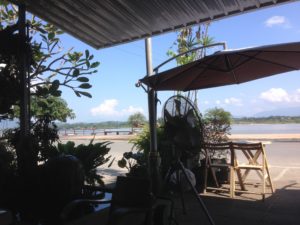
77, 93
55, 85
86, 94
76, 73
95, 64
56, 93
91, 57
122, 163
42, 103
87, 53
59, 32
88, 64
85, 86
44, 37
110, 164
82, 79
51, 35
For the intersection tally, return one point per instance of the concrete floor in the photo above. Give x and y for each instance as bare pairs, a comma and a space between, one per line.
280, 208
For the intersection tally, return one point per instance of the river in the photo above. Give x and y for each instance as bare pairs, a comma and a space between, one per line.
265, 129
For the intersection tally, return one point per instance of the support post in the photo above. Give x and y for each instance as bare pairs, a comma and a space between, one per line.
154, 159
24, 103
25, 156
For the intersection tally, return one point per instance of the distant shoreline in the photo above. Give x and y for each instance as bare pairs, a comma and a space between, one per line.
259, 137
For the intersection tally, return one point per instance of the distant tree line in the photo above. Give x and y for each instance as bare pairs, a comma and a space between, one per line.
98, 125
127, 124
268, 120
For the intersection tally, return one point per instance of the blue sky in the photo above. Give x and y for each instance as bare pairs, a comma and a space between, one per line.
115, 96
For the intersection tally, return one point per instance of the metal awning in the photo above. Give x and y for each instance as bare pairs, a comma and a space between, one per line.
105, 23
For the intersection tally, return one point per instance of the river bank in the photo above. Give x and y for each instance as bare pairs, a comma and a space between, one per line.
233, 137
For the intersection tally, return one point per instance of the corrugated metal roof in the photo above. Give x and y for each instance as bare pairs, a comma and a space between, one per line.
104, 23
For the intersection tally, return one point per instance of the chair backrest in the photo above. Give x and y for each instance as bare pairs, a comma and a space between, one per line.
251, 151
132, 192
247, 146
223, 149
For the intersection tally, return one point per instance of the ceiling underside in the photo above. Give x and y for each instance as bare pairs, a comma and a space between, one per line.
105, 23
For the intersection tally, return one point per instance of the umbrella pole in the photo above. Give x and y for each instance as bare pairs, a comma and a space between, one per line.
153, 158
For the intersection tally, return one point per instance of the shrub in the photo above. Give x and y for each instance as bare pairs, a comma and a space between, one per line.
91, 157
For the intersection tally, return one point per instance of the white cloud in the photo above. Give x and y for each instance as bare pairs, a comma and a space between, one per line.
233, 101
105, 108
280, 21
218, 102
109, 108
296, 96
275, 95
279, 95
132, 109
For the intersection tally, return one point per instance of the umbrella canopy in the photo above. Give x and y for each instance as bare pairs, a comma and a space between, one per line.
229, 67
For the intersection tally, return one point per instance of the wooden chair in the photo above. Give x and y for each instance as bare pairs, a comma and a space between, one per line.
211, 165
254, 159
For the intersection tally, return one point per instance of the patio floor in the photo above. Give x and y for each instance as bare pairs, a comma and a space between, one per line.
280, 208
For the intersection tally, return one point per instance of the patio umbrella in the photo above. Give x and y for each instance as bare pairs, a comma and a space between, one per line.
229, 67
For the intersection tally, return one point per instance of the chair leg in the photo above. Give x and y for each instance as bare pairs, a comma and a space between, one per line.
232, 182
269, 176
263, 178
205, 176
267, 169
240, 179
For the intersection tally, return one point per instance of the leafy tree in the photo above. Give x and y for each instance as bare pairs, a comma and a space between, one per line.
217, 125
136, 119
51, 67
55, 108
188, 39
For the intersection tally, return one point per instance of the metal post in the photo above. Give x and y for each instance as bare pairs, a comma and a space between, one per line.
25, 156
154, 158
24, 103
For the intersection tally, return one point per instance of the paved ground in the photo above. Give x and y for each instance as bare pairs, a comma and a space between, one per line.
280, 208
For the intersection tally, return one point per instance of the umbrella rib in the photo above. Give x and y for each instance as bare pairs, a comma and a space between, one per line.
207, 65
197, 65
193, 80
229, 65
265, 60
243, 62
178, 74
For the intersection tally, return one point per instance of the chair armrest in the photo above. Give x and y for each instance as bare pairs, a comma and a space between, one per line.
95, 192
70, 207
98, 188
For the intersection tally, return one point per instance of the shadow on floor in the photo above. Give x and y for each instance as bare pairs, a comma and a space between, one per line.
280, 208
